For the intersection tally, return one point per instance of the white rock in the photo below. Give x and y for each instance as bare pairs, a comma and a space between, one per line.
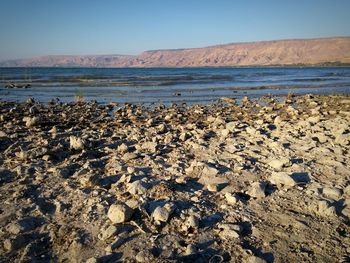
137, 188
324, 209
332, 192
282, 179
231, 198
144, 256
257, 190
76, 143
212, 187
120, 213
30, 122
193, 221
161, 214
108, 232
278, 164
229, 231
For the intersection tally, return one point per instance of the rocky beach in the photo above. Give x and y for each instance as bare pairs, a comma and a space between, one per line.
263, 180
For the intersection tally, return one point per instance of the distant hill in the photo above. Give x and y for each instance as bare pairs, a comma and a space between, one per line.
322, 51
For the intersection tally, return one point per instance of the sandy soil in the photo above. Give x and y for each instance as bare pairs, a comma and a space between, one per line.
264, 181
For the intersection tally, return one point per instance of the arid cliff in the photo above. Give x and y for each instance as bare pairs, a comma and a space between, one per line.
267, 53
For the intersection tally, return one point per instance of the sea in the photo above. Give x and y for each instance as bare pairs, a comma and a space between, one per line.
169, 85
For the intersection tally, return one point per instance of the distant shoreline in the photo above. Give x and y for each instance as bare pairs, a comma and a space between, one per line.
301, 52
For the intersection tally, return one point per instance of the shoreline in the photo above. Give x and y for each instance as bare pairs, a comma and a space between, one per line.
259, 181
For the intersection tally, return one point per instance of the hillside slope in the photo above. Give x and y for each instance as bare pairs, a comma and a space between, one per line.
265, 53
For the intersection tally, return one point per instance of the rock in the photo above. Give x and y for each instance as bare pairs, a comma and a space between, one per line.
30, 122
129, 156
342, 139
137, 188
231, 198
209, 171
193, 221
76, 143
149, 146
15, 243
161, 214
282, 179
346, 209
108, 232
314, 119
144, 256
254, 259
120, 213
347, 190
323, 208
23, 225
257, 190
123, 148
91, 260
229, 231
191, 249
212, 187
332, 192
278, 164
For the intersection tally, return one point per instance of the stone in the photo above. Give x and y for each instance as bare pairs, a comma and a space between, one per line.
332, 192
323, 208
30, 122
257, 190
342, 139
278, 164
76, 143
282, 179
123, 148
209, 171
161, 214
229, 231
144, 256
191, 249
129, 156
108, 232
231, 198
137, 188
193, 221
91, 260
120, 213
15, 243
254, 259
212, 187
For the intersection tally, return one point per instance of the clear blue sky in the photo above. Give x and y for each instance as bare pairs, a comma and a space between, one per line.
46, 27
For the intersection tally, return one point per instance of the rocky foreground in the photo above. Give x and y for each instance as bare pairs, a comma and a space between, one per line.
264, 181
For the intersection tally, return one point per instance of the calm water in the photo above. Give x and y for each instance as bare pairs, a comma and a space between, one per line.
190, 85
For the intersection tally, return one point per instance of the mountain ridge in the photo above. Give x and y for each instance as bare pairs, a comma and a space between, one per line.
284, 52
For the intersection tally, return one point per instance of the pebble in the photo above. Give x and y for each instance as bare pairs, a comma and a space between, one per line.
231, 198
212, 187
108, 232
332, 192
76, 143
120, 213
282, 179
161, 214
137, 188
144, 256
191, 249
257, 190
193, 221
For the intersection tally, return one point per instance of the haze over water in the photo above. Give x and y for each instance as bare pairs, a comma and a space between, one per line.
167, 85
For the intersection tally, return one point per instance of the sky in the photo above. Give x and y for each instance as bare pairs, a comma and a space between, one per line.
30, 28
